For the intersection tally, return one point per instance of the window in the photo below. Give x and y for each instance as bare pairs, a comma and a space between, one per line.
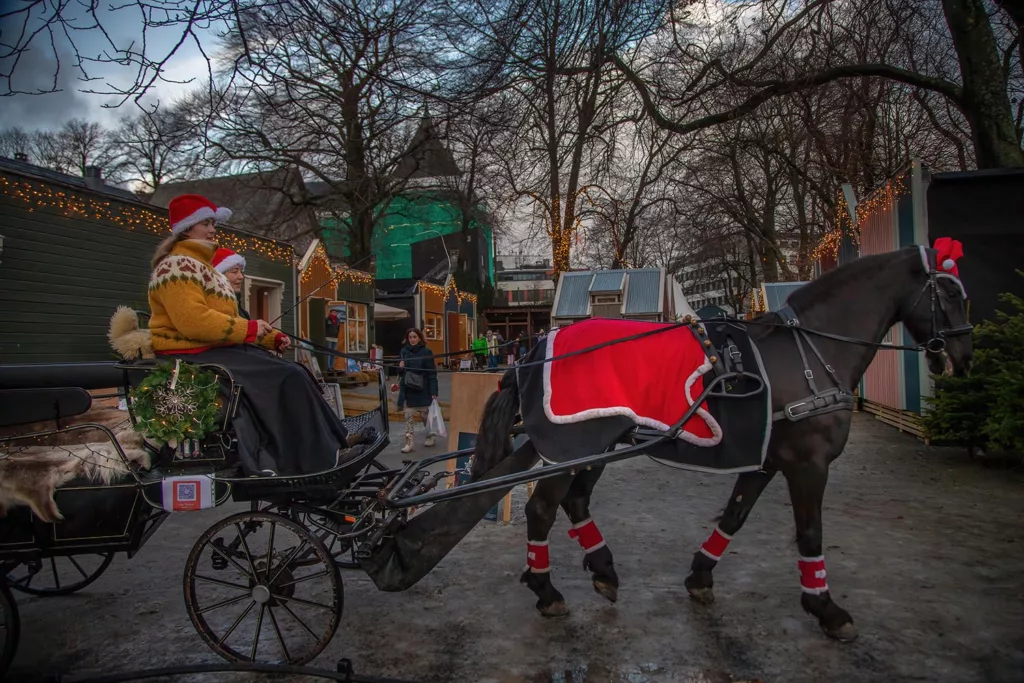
357, 330
434, 328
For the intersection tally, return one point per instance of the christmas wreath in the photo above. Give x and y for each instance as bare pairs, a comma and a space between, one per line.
177, 401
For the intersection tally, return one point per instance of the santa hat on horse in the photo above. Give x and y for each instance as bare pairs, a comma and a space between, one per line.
188, 209
224, 260
947, 252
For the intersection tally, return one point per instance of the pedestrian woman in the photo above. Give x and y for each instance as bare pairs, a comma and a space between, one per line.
283, 426
418, 386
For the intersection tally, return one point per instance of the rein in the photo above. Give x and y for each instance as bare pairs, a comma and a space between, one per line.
936, 344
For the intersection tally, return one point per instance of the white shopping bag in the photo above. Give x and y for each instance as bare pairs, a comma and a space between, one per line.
435, 421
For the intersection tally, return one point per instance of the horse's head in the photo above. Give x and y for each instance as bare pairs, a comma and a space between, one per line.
937, 312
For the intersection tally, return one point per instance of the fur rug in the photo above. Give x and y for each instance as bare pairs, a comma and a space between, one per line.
30, 476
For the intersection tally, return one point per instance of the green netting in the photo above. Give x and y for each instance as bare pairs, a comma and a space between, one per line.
407, 221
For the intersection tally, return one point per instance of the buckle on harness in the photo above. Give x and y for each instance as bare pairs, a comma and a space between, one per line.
808, 374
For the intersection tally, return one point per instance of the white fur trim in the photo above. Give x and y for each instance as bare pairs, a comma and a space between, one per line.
582, 524
707, 554
925, 261
230, 262
201, 214
626, 411
928, 268
956, 281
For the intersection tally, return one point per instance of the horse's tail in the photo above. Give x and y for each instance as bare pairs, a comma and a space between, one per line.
493, 441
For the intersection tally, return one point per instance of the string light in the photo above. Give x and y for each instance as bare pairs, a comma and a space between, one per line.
132, 218
320, 267
882, 199
446, 292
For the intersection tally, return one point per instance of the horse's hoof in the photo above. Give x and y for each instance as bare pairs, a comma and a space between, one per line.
704, 596
847, 633
555, 609
610, 592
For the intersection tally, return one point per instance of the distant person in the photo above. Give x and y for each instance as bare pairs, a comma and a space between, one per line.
417, 387
332, 327
479, 351
524, 341
492, 350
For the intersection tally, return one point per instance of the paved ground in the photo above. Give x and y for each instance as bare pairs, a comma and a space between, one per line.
925, 549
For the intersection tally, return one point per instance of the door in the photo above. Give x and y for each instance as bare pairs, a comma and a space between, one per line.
454, 338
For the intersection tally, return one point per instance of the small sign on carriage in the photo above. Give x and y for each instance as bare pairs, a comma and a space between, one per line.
188, 493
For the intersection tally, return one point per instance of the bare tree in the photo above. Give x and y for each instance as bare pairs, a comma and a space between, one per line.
319, 86
154, 148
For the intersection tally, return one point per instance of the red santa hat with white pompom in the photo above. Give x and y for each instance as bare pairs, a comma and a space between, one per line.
224, 260
947, 252
188, 209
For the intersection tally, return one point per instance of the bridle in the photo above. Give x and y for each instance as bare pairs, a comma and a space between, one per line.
936, 343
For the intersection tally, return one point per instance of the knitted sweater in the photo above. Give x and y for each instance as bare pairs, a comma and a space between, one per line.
193, 307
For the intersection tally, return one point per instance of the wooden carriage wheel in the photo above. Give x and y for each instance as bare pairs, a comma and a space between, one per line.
60, 575
10, 628
261, 588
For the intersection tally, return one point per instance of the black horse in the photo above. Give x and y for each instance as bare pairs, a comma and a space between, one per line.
853, 307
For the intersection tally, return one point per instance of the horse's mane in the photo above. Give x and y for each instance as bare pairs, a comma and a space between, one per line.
832, 283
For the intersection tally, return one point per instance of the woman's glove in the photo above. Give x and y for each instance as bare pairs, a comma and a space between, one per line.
282, 342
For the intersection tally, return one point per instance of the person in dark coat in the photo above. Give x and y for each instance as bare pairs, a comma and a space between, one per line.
417, 359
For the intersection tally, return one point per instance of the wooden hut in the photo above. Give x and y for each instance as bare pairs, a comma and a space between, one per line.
324, 287
76, 248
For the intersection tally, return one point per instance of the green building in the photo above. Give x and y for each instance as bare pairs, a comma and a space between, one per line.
416, 237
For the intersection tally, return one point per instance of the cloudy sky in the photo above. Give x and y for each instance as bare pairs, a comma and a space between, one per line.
39, 66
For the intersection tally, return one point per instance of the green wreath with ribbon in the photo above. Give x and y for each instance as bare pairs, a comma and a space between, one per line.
176, 402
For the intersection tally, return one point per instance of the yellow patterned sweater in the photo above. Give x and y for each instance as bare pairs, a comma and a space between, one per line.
193, 307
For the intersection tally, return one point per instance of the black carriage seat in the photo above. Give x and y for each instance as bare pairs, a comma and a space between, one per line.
29, 406
90, 375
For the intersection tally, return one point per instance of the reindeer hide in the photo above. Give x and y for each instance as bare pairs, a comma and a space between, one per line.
30, 476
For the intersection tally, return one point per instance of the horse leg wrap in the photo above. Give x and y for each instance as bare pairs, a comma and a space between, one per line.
716, 544
588, 535
537, 557
812, 575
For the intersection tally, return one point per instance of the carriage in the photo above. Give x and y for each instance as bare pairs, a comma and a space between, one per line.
262, 584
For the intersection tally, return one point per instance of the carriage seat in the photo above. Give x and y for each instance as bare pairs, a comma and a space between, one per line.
30, 406
88, 375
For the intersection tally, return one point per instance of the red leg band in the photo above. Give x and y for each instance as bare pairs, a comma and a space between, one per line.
588, 535
716, 544
537, 556
812, 575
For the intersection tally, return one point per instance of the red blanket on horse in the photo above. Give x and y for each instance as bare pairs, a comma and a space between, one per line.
652, 380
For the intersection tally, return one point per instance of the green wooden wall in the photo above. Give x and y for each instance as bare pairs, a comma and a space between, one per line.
66, 265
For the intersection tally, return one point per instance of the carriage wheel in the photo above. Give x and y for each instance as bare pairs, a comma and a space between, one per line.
341, 549
10, 628
61, 575
261, 588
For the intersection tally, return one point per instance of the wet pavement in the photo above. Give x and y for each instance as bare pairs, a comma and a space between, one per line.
924, 548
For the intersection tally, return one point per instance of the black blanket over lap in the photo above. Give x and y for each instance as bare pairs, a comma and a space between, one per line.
283, 424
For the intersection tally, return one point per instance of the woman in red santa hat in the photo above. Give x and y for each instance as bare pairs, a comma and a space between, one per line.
232, 266
283, 425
